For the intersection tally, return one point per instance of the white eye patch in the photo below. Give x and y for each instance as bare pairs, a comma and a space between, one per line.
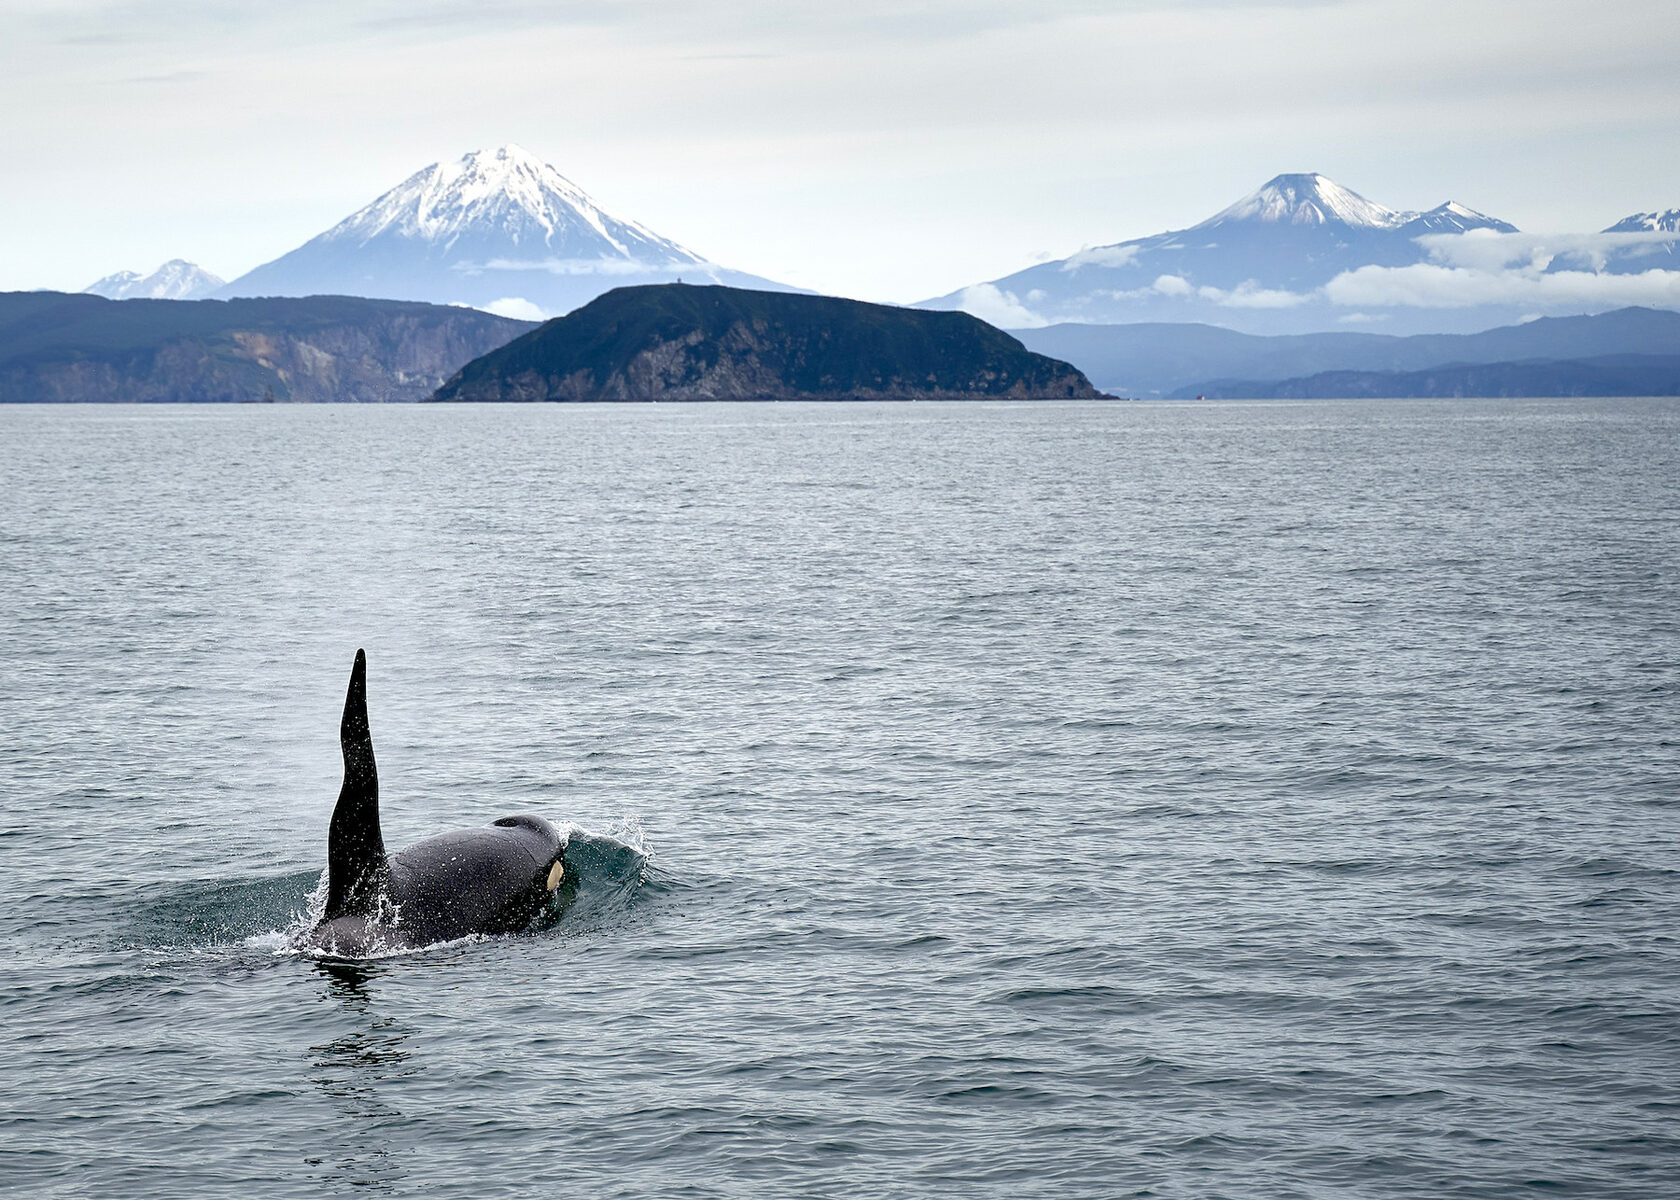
554, 874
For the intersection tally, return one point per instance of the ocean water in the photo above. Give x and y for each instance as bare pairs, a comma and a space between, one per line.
1097, 800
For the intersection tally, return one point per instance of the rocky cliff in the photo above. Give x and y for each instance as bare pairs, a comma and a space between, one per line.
680, 342
59, 348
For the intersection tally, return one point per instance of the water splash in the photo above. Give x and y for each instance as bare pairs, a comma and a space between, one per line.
272, 916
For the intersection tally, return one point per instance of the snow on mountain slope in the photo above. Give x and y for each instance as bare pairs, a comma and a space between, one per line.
1259, 265
176, 279
497, 229
1452, 217
511, 194
1307, 200
1651, 222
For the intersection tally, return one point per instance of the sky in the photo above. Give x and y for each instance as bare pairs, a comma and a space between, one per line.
883, 149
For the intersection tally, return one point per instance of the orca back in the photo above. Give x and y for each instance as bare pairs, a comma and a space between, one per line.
493, 879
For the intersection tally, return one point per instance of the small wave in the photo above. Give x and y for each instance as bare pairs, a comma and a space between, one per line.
274, 941
1098, 995
221, 912
606, 872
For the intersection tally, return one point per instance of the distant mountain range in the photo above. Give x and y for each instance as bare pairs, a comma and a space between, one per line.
1304, 254
177, 279
502, 231
676, 342
1611, 375
1185, 360
499, 230
670, 342
62, 348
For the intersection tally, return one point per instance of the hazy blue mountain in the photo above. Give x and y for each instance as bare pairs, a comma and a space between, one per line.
676, 342
1159, 360
1616, 375
176, 279
499, 229
1256, 265
57, 347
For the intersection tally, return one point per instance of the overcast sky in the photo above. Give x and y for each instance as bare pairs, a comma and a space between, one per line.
883, 149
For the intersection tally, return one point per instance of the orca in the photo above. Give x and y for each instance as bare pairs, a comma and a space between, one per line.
494, 879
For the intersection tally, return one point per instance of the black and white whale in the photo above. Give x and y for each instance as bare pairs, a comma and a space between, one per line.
494, 879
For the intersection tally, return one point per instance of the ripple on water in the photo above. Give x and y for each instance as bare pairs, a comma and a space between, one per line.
1078, 800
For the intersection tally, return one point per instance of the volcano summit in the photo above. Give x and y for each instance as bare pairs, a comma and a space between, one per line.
499, 230
1257, 265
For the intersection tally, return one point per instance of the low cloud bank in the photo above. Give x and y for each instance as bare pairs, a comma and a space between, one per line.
1248, 294
1102, 256
997, 307
516, 307
580, 266
1490, 250
1421, 286
1426, 285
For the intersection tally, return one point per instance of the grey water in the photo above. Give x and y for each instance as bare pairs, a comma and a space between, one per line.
1171, 800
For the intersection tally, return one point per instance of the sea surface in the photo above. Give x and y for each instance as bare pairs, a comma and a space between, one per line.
970, 800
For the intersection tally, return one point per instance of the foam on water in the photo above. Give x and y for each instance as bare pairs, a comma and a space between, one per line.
214, 916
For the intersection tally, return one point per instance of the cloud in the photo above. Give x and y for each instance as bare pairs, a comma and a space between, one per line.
1102, 256
1004, 309
1490, 250
1427, 285
1249, 294
578, 266
516, 307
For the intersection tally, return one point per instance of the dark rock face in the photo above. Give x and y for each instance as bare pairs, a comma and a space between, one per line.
679, 342
58, 348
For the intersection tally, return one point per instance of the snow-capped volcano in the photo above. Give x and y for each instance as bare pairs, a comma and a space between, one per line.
1651, 222
1258, 265
1313, 200
177, 279
1307, 200
498, 229
511, 195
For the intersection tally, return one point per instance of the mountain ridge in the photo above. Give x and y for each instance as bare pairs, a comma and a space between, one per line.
1314, 199
497, 229
512, 191
1648, 222
1257, 265
176, 279
1607, 375
1152, 359
65, 347
1303, 254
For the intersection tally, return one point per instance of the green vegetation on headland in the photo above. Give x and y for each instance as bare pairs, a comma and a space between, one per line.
58, 347
683, 342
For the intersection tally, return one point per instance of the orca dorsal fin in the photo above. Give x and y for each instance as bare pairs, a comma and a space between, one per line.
356, 865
